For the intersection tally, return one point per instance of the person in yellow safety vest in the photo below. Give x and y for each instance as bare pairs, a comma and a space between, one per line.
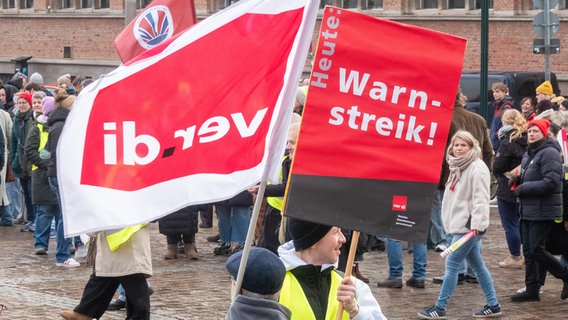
274, 194
312, 288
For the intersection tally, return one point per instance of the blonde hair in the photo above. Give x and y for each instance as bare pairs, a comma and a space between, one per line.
468, 138
514, 118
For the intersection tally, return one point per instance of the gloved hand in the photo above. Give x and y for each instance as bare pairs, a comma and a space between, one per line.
518, 190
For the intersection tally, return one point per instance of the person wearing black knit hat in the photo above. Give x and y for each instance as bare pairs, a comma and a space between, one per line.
260, 289
311, 279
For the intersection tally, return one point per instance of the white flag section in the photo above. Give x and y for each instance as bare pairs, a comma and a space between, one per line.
194, 120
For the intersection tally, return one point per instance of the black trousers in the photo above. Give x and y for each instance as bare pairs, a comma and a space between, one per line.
534, 235
99, 291
271, 222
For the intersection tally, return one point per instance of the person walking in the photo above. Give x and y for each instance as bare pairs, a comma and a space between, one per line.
465, 207
539, 190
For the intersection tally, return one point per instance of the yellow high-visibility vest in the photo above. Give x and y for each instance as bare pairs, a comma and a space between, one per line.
276, 202
42, 141
293, 297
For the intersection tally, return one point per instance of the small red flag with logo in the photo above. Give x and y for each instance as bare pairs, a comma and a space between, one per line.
159, 21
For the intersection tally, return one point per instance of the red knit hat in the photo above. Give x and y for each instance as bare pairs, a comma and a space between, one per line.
26, 96
542, 124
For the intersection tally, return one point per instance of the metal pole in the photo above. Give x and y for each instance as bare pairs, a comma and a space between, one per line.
484, 58
547, 40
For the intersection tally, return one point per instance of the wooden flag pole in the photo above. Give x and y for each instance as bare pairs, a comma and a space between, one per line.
349, 266
250, 238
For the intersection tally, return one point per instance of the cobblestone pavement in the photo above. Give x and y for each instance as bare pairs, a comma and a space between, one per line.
32, 287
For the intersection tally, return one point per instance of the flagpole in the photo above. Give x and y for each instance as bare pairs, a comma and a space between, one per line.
349, 266
248, 242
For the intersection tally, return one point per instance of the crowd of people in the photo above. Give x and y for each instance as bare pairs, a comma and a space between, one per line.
295, 269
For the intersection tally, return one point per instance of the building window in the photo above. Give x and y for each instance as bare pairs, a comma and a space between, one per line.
349, 4
26, 4
85, 4
477, 4
9, 4
324, 3
141, 4
102, 4
426, 4
64, 4
375, 4
563, 4
456, 4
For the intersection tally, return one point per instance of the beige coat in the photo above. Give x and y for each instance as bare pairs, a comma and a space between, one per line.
131, 257
6, 126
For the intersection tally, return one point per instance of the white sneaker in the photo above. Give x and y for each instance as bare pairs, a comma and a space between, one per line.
441, 248
521, 290
81, 252
69, 263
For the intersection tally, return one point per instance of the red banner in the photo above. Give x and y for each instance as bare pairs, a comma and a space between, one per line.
375, 124
159, 21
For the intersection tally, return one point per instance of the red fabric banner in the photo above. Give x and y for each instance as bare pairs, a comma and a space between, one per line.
159, 21
377, 117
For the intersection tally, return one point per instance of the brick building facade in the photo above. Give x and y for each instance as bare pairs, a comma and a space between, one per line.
76, 36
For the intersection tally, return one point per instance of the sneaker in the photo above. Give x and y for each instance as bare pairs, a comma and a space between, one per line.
238, 247
222, 249
432, 312
40, 251
525, 296
81, 251
412, 282
440, 279
69, 263
512, 263
116, 305
31, 227
26, 227
390, 283
441, 248
523, 289
488, 312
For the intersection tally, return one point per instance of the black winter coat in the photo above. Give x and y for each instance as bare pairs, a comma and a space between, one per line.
508, 157
41, 191
183, 221
540, 197
56, 121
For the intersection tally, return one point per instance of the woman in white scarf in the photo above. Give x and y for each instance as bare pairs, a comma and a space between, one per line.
465, 207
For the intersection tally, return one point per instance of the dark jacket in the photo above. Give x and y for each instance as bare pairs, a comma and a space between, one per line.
540, 194
41, 191
183, 221
22, 124
498, 108
55, 122
243, 199
508, 157
247, 308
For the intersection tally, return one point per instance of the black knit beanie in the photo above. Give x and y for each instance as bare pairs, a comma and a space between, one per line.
305, 234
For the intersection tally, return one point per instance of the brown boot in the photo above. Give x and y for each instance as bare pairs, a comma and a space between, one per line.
357, 273
171, 252
190, 251
72, 315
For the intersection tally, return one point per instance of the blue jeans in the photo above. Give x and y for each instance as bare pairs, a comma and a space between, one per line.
27, 191
6, 216
54, 185
470, 252
44, 215
233, 223
394, 255
436, 233
14, 193
511, 225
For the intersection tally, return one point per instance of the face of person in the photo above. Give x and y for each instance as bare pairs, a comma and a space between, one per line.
23, 105
327, 250
540, 97
534, 134
291, 143
498, 94
36, 105
527, 107
460, 148
3, 96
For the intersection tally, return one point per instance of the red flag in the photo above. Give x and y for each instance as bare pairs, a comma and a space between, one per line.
201, 120
375, 125
159, 21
